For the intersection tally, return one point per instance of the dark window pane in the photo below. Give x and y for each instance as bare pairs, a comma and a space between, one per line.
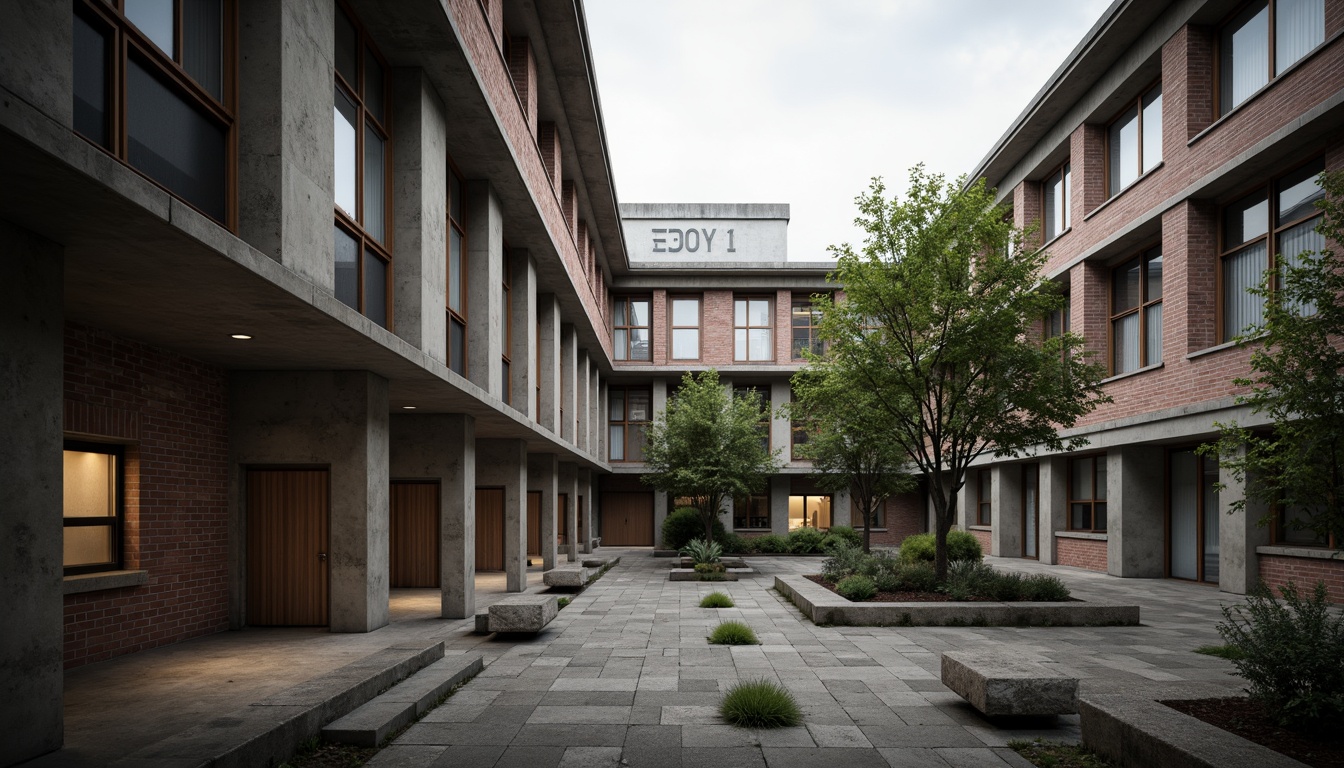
374, 86
1124, 150
90, 70
347, 151
347, 269
1153, 288
203, 43
1246, 219
375, 184
155, 19
347, 49
1079, 515
173, 143
1125, 287
457, 347
455, 270
1299, 191
1152, 128
1099, 516
454, 198
1241, 272
375, 288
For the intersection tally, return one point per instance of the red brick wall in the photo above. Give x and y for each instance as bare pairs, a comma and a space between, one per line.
1278, 570
174, 413
984, 538
1081, 553
905, 517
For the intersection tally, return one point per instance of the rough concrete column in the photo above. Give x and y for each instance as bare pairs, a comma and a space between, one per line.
596, 414
779, 505
586, 491
841, 509
966, 501
442, 447
1005, 497
583, 406
485, 278
36, 55
286, 147
543, 474
502, 463
420, 168
334, 418
1136, 512
660, 504
569, 384
1054, 504
523, 354
32, 317
600, 415
548, 316
569, 485
1239, 533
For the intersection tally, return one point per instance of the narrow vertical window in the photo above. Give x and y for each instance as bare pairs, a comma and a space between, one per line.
1136, 313
753, 330
1056, 217
805, 332
1262, 41
629, 413
984, 505
1087, 493
457, 278
631, 323
685, 328
1134, 141
93, 490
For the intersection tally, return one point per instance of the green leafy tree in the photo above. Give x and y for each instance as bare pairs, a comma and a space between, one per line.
1296, 383
939, 323
706, 446
847, 440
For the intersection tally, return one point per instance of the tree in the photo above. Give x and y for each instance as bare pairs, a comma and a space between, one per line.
847, 440
1296, 382
706, 445
940, 322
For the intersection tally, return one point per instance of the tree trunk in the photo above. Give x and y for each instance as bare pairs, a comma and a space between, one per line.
868, 533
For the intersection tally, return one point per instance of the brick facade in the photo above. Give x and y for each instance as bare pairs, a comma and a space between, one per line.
984, 537
1278, 570
1081, 553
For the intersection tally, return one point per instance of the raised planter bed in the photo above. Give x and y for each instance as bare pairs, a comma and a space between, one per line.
689, 574
823, 606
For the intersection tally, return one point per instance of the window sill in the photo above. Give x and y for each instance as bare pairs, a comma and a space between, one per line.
1302, 550
861, 529
96, 582
1211, 350
1134, 372
989, 528
1089, 535
1122, 192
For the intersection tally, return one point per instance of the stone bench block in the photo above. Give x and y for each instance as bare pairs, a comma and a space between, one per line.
523, 613
1009, 683
568, 577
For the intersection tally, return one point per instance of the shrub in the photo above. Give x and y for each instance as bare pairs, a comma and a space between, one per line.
733, 543
888, 581
561, 603
967, 579
770, 544
844, 561
716, 600
760, 704
961, 545
805, 540
684, 524
847, 534
1292, 654
1042, 588
856, 588
703, 568
917, 577
701, 551
733, 633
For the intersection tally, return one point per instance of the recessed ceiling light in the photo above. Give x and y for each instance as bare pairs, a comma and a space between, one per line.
241, 336
408, 407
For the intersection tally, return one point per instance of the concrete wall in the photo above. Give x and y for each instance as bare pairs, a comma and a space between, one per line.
1136, 511
485, 276
503, 464
1006, 500
36, 55
1239, 533
543, 475
31, 319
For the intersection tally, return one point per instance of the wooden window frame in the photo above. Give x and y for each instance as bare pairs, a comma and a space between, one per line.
625, 423
1137, 104
628, 327
1034, 468
770, 326
812, 328
116, 522
1144, 257
1065, 173
672, 327
463, 278
1199, 514
1092, 511
125, 40
984, 499
353, 222
1269, 188
1219, 109
749, 517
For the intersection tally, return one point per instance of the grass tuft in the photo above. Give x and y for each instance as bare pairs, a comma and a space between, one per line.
562, 602
733, 633
1229, 652
716, 600
1052, 754
760, 704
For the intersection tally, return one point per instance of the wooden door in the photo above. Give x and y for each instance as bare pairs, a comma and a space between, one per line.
534, 523
627, 519
489, 529
561, 518
288, 514
414, 534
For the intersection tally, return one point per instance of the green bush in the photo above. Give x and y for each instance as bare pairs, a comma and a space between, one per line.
961, 545
733, 633
1041, 588
846, 534
703, 568
805, 540
701, 551
736, 544
770, 544
1292, 654
856, 588
916, 577
684, 524
716, 600
760, 704
844, 561
888, 581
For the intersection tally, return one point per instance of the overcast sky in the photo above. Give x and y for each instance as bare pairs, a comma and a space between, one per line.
803, 101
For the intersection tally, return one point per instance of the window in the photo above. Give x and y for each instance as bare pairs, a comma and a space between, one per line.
631, 322
1257, 237
1087, 494
984, 507
879, 515
1057, 322
153, 84
93, 489
1263, 40
1289, 528
1136, 313
1055, 216
760, 395
805, 337
1134, 141
813, 511
685, 328
363, 173
751, 512
630, 413
753, 330
457, 278
506, 326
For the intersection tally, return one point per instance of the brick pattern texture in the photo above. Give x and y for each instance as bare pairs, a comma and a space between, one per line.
905, 517
1278, 570
984, 538
1081, 553
176, 507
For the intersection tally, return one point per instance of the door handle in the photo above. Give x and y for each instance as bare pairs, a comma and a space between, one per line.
322, 556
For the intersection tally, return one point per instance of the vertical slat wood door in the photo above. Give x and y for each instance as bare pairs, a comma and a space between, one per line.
561, 518
414, 535
489, 529
534, 523
627, 519
288, 512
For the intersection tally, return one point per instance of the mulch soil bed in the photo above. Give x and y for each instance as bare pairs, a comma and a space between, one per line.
899, 597
1247, 719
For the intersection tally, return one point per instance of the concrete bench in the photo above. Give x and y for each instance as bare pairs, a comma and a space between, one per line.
568, 577
999, 682
522, 613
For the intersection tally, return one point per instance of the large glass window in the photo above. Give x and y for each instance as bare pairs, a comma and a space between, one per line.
93, 489
1271, 228
1134, 141
1192, 533
1136, 313
753, 330
984, 503
1263, 40
1087, 493
630, 413
457, 278
812, 511
362, 172
1055, 203
150, 81
631, 325
752, 512
685, 328
805, 336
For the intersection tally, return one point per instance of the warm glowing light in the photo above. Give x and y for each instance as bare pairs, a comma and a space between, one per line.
241, 336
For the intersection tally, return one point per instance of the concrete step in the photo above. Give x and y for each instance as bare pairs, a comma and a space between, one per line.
373, 722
